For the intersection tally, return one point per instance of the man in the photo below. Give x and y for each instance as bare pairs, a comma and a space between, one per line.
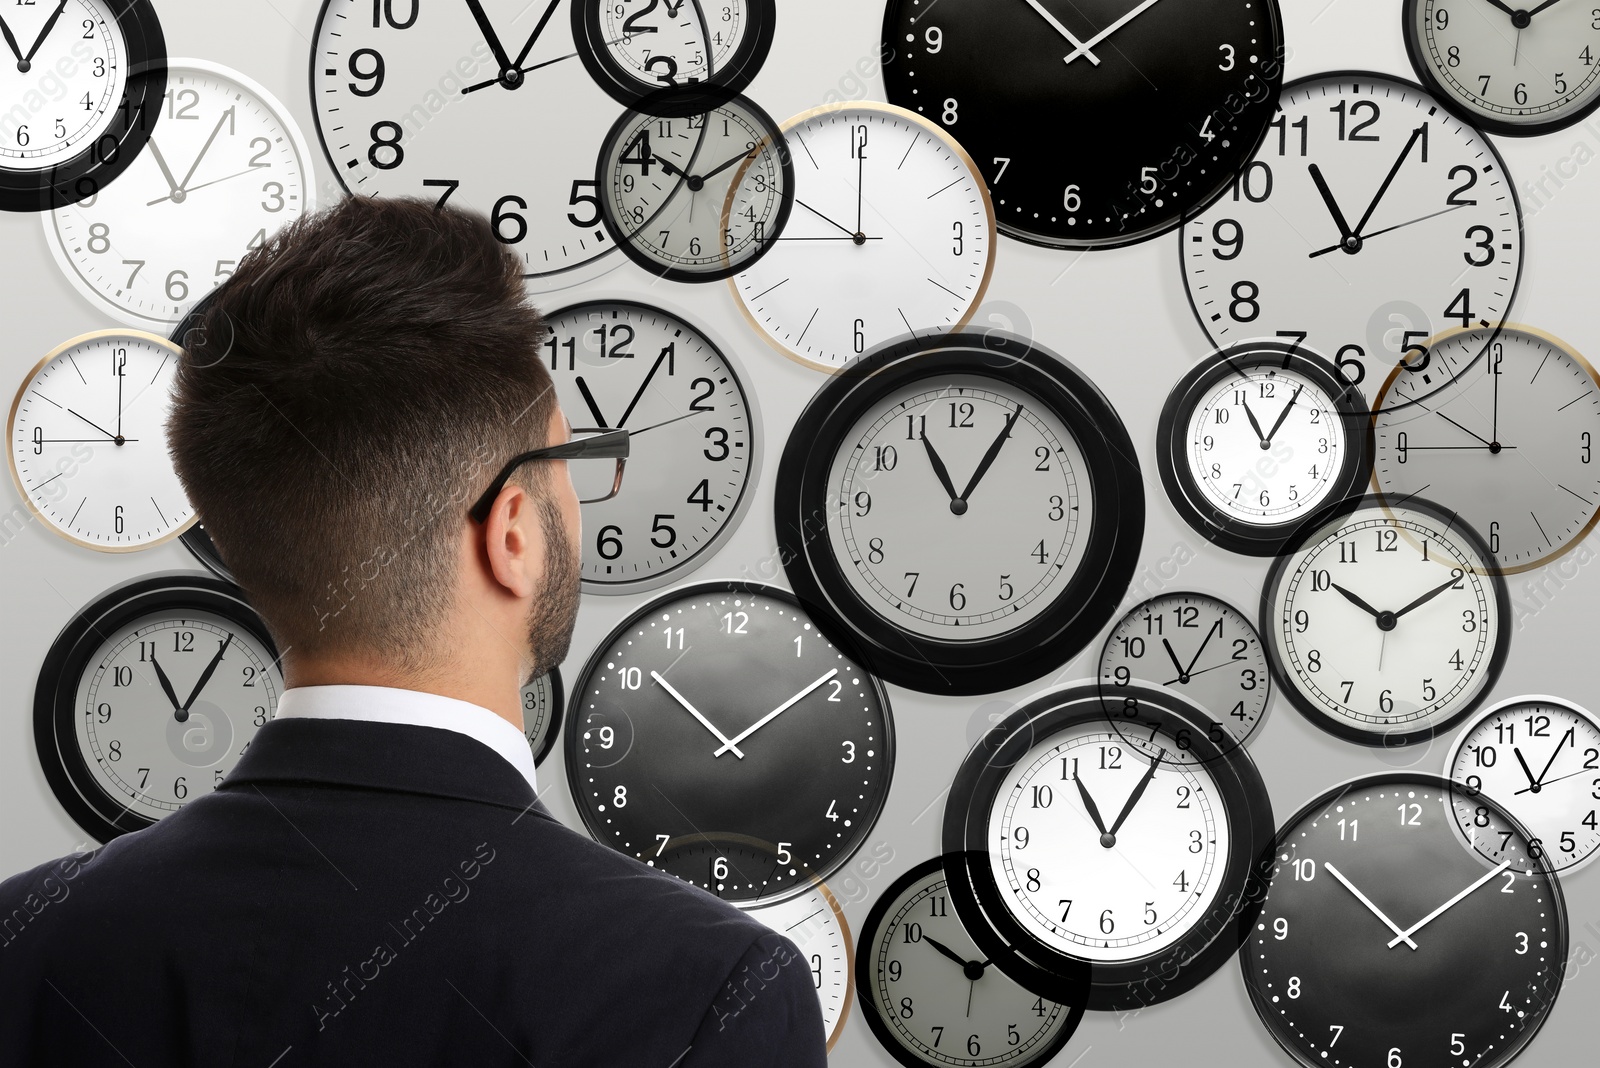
376, 883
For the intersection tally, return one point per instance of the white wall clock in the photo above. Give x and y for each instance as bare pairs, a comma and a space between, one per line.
88, 442
224, 169
815, 923
1369, 220
892, 233
633, 47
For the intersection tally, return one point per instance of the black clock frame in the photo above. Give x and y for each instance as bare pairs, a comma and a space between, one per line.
1283, 675
1217, 525
85, 174
1070, 980
558, 708
55, 696
867, 973
1081, 608
623, 86
1416, 51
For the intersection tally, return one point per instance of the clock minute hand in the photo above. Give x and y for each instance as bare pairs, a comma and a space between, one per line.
1572, 737
770, 716
1425, 598
1405, 936
1056, 24
533, 38
1389, 179
1375, 910
49, 25
184, 185
1138, 792
1216, 628
1083, 49
989, 457
1283, 415
490, 37
205, 676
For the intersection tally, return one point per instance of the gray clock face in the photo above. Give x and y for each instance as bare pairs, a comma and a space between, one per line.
1199, 646
129, 733
938, 999
695, 439
961, 506
688, 41
1510, 443
815, 924
541, 714
418, 99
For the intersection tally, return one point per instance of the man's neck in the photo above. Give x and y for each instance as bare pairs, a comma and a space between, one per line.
485, 685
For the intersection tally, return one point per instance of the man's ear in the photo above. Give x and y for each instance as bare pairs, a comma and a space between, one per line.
512, 542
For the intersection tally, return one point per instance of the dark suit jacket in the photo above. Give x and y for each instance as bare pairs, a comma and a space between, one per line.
381, 894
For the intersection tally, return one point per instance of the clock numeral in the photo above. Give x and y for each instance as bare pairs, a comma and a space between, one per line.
831, 814
875, 551
386, 134
1294, 986
1355, 134
951, 113
1032, 880
958, 599
122, 676
1149, 913
1196, 841
189, 98
375, 75
609, 542
1283, 126
498, 216
180, 788
1007, 591
1280, 928
1305, 870
1471, 179
103, 710
913, 576
578, 196
719, 868
1182, 882
885, 457
896, 970
1410, 814
658, 527
1314, 660
99, 238
1071, 199
934, 36
1585, 447
1233, 240
721, 434
850, 754
383, 11
1246, 304
938, 905
1461, 308
1003, 162
1227, 61
1245, 182
1021, 836
1110, 758
1043, 796
735, 622
630, 678
863, 502
1354, 827
701, 495
619, 797
1183, 797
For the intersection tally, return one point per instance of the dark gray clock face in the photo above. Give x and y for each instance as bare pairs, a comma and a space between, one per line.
720, 710
1387, 940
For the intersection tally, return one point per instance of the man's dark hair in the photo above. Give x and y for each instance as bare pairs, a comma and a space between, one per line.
343, 399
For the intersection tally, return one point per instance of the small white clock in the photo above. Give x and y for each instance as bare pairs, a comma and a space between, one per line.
224, 169
1539, 757
88, 444
892, 234
815, 923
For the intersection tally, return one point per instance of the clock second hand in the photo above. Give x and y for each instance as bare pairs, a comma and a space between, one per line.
770, 716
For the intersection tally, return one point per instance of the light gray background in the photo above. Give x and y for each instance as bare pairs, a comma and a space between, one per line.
1120, 315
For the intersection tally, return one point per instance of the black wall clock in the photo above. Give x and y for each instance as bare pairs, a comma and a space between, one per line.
1096, 123
149, 696
721, 709
81, 86
1385, 939
1089, 867
634, 47
543, 705
968, 508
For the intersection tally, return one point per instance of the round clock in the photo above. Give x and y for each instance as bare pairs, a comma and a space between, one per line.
89, 442
203, 549
1080, 862
1160, 104
1368, 221
932, 997
1388, 624
149, 696
969, 509
1257, 437
699, 193
445, 102
1509, 68
542, 709
697, 452
815, 923
1496, 754
1385, 940
633, 47
1202, 647
1510, 442
81, 82
892, 234
225, 169
721, 709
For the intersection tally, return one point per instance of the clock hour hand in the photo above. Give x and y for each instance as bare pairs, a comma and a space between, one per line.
945, 950
1375, 910
490, 37
173, 192
1547, 3
109, 435
989, 457
11, 42
770, 716
1254, 425
1358, 602
824, 218
1425, 598
944, 475
1172, 656
719, 168
695, 712
1133, 798
1083, 49
1347, 236
1055, 24
49, 24
1405, 936
1094, 811
1532, 782
1283, 415
588, 399
205, 676
166, 684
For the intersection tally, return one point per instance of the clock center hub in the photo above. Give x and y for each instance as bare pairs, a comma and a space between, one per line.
1108, 840
1494, 448
1184, 679
859, 238
1521, 19
1387, 620
973, 971
696, 183
120, 440
958, 507
511, 78
24, 65
1536, 788
1351, 244
179, 196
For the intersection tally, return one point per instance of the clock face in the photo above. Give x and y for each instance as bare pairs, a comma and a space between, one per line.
633, 47
816, 925
1509, 442
149, 697
89, 446
628, 365
1369, 220
226, 170
1388, 625
930, 995
969, 507
80, 89
423, 100
1386, 940
1086, 851
892, 234
1511, 70
699, 196
541, 713
1172, 97
1256, 438
1199, 646
1539, 757
962, 507
721, 710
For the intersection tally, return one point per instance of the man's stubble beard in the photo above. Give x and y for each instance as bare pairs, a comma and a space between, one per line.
555, 611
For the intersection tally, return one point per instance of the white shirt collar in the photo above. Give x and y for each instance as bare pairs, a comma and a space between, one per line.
387, 704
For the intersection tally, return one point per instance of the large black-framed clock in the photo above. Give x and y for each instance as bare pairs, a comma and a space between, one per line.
721, 712
149, 696
968, 509
1152, 108
635, 47
1097, 870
